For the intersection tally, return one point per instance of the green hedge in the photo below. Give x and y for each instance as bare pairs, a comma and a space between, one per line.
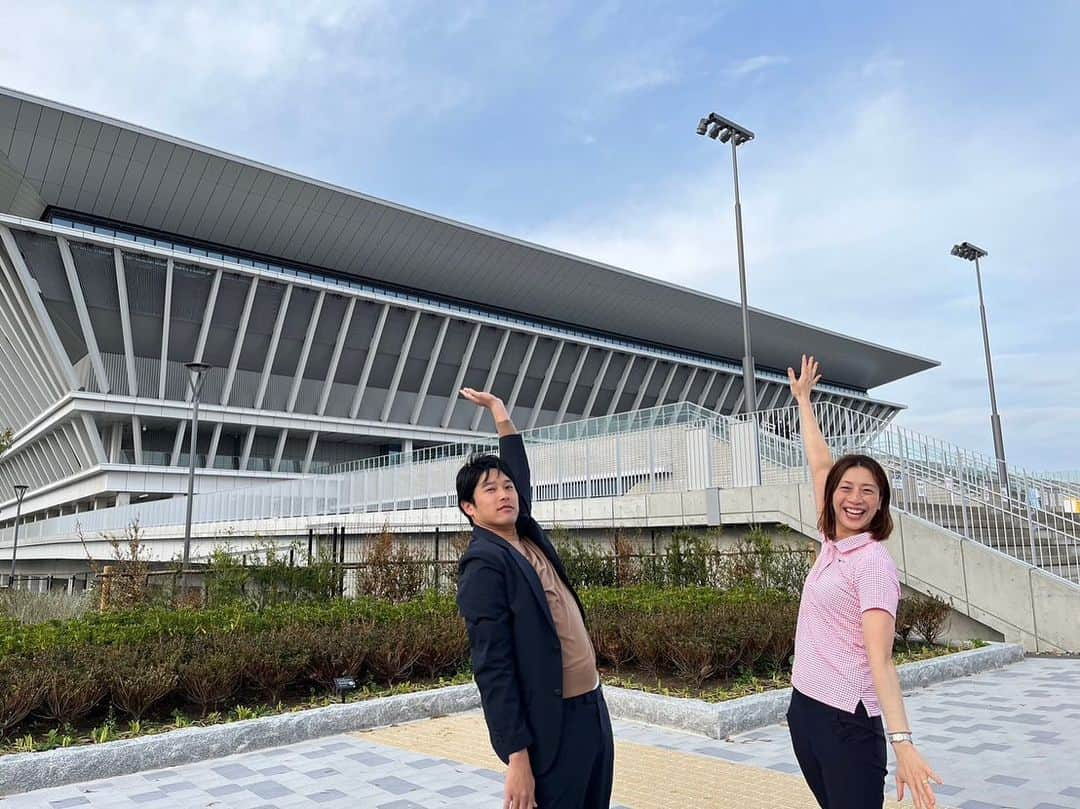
136, 661
150, 660
696, 633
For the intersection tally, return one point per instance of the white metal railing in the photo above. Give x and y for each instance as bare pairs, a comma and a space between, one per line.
661, 449
676, 447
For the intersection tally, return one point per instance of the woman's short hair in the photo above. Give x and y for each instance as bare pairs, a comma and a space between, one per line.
881, 525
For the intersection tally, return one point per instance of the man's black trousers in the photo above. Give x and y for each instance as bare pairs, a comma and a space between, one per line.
842, 755
580, 777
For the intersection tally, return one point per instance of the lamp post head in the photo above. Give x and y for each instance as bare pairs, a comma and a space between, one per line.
717, 126
968, 251
20, 490
197, 368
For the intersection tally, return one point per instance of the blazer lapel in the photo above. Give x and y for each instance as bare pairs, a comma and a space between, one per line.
527, 571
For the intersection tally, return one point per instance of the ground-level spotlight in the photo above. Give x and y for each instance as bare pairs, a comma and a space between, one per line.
343, 685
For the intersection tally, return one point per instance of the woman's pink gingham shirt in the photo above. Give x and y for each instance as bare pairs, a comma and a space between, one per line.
850, 576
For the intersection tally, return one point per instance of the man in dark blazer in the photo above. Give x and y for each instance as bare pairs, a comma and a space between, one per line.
532, 658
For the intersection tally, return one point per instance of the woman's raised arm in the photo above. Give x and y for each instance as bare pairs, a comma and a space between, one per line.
818, 456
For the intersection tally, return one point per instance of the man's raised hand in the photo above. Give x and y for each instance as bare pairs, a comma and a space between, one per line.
491, 403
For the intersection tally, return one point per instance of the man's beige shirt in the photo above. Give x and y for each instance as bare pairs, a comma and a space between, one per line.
578, 657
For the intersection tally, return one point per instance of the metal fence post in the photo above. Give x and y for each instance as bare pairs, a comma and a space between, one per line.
436, 558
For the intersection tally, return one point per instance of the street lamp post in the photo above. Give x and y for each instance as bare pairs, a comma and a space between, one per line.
716, 126
197, 372
20, 493
970, 252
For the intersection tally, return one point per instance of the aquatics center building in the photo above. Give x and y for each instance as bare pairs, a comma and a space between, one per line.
337, 326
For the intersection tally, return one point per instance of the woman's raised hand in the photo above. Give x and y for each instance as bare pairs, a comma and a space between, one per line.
808, 377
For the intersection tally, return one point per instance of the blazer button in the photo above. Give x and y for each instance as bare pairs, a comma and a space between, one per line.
558, 692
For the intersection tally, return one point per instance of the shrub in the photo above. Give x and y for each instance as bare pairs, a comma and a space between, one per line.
142, 674
694, 632
442, 639
905, 618
395, 648
339, 651
687, 560
392, 571
585, 566
75, 684
275, 659
226, 579
275, 580
611, 639
931, 613
22, 684
211, 670
125, 585
24, 607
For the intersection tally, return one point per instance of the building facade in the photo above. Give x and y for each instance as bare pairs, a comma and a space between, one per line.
337, 326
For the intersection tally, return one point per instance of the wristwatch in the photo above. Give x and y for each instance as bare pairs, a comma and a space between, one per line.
900, 736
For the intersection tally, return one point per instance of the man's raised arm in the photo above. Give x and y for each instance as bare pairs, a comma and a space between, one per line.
511, 445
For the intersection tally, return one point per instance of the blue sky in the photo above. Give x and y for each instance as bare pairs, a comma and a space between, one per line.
886, 132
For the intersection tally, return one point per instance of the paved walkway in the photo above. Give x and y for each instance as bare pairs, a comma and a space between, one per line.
1002, 739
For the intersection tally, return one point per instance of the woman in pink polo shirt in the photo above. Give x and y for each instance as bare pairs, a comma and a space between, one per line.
844, 678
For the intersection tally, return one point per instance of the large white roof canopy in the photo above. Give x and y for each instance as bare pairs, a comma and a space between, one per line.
53, 156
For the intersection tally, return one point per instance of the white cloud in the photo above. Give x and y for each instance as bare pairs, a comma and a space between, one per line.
634, 78
756, 64
258, 76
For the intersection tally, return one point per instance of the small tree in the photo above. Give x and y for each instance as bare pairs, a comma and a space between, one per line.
124, 577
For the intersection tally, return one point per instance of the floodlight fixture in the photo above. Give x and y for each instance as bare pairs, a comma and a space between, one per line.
727, 131
971, 252
968, 251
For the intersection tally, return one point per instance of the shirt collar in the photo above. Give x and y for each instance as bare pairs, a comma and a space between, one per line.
853, 542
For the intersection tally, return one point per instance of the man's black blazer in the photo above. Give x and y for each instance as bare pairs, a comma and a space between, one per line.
516, 654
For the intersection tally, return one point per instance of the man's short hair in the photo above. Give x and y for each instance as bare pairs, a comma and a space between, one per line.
474, 471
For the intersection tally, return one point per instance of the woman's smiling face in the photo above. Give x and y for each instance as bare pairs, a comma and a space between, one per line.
855, 502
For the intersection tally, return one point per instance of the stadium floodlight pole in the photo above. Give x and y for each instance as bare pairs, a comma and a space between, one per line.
970, 252
196, 375
716, 126
20, 492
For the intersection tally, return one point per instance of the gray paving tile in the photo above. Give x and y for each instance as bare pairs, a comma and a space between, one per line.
394, 785
234, 771
369, 759
224, 789
327, 795
149, 797
1007, 780
268, 789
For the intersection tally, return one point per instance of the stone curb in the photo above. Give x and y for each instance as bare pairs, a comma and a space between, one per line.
722, 719
24, 772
